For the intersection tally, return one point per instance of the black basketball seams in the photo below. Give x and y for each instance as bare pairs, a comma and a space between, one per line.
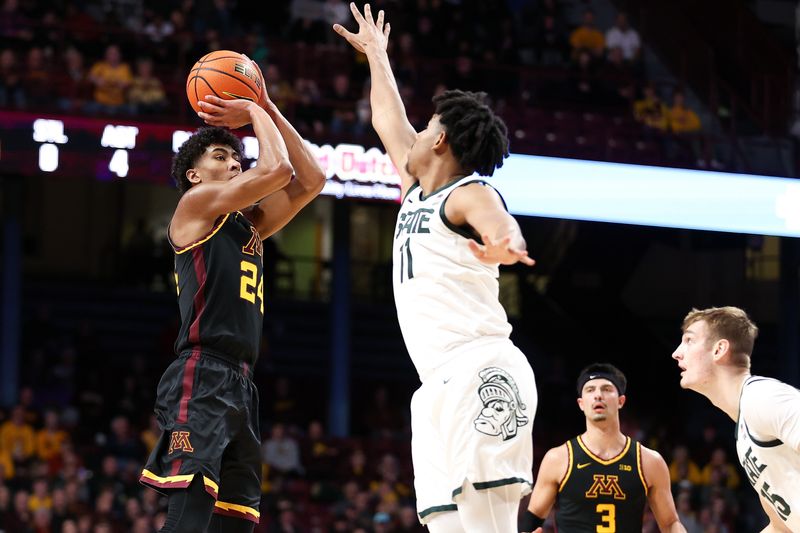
255, 91
209, 86
204, 60
196, 95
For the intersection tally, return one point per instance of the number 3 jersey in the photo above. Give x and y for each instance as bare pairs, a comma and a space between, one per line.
446, 299
768, 444
602, 496
221, 291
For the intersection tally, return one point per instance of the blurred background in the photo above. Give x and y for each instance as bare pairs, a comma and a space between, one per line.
92, 106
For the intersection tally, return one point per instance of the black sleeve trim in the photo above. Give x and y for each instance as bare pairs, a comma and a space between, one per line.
466, 230
413, 186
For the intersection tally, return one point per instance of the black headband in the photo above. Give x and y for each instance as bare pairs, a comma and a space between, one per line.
587, 376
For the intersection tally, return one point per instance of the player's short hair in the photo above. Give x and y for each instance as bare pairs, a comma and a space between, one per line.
478, 138
604, 371
194, 147
729, 323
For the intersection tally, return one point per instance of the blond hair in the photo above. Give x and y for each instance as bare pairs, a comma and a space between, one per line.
729, 323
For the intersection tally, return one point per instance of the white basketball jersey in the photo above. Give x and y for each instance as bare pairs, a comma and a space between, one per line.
446, 299
772, 465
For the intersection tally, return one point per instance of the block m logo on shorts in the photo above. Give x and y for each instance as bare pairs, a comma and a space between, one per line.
179, 440
605, 486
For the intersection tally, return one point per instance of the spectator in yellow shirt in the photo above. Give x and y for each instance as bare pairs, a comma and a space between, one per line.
40, 499
17, 437
681, 118
146, 94
682, 468
111, 78
587, 37
50, 439
719, 465
650, 110
6, 466
149, 436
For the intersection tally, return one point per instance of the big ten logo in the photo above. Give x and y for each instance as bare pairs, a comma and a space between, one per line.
605, 486
414, 222
179, 440
248, 71
626, 468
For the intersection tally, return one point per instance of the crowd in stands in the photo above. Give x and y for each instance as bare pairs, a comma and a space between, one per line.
128, 58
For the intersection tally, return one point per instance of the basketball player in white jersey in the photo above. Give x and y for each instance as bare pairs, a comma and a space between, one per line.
714, 358
472, 416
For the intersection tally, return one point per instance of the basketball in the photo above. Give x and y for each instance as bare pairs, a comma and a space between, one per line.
225, 74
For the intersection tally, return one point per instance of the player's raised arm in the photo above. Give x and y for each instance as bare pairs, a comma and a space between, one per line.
388, 113
659, 493
271, 172
481, 208
551, 472
276, 210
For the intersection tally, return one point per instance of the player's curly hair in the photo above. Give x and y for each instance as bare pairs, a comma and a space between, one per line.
194, 147
477, 137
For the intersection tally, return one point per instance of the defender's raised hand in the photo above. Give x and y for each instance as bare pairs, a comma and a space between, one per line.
498, 251
370, 32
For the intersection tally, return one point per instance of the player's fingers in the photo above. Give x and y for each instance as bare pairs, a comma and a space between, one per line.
476, 249
379, 22
208, 119
208, 108
338, 28
357, 14
522, 255
386, 30
213, 100
350, 37
368, 14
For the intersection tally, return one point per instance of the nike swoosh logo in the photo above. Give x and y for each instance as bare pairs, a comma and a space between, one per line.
584, 465
446, 380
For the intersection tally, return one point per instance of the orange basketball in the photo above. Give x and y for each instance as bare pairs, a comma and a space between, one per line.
226, 74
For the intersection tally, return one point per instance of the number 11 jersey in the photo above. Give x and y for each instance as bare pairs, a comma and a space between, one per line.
446, 299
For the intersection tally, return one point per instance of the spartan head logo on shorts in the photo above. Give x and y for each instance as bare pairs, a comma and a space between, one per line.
502, 411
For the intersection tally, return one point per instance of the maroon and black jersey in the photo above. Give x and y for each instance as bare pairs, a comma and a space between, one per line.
598, 495
221, 291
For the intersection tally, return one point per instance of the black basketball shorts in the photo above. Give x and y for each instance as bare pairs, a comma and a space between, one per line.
207, 408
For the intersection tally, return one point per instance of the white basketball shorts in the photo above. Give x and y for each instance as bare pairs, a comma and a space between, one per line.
471, 422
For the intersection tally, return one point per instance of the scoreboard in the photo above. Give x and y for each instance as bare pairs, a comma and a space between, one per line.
110, 149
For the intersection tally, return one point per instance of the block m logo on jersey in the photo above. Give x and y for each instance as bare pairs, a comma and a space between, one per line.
605, 486
179, 440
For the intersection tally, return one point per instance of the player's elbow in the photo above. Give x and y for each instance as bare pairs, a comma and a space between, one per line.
277, 176
317, 179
